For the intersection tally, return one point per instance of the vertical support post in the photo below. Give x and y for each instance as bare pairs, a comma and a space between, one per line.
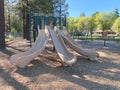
65, 21
55, 21
60, 16
34, 27
30, 21
46, 20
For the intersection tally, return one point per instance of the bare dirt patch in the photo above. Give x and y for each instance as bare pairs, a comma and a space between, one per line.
45, 72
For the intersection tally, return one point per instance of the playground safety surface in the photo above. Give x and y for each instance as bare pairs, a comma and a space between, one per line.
47, 73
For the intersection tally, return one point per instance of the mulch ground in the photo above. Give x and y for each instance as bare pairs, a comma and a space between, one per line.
46, 72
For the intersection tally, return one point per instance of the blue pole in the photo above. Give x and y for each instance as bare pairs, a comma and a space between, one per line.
46, 20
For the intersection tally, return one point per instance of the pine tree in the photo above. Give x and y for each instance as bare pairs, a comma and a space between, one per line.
60, 9
116, 13
2, 25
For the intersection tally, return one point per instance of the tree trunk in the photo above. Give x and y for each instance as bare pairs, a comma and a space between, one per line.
27, 27
23, 24
2, 25
26, 33
91, 35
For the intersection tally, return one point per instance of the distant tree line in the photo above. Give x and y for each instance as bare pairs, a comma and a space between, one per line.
97, 21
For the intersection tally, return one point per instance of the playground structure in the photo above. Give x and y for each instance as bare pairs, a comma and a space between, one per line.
41, 21
67, 57
61, 39
91, 54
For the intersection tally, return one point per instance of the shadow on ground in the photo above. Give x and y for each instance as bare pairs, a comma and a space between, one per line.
80, 69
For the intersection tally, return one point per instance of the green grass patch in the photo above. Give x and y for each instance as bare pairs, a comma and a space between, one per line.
97, 38
9, 37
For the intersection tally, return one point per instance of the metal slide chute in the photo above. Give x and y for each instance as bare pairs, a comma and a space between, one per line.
23, 59
64, 54
91, 54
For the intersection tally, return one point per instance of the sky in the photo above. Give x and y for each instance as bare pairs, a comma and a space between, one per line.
91, 6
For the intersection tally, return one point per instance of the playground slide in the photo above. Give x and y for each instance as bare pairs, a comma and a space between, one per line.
66, 56
22, 59
91, 54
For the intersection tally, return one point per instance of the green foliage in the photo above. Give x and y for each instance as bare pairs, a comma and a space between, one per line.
116, 13
16, 24
91, 24
77, 23
97, 21
71, 23
42, 6
116, 26
60, 7
103, 21
10, 37
81, 23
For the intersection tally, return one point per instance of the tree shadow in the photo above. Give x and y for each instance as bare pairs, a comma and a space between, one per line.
15, 48
7, 51
11, 81
79, 69
10, 52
